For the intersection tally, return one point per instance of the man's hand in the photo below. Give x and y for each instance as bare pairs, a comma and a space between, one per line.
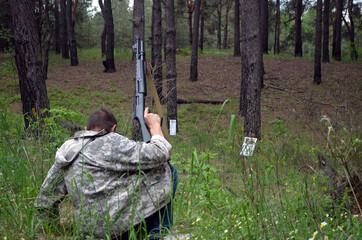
153, 122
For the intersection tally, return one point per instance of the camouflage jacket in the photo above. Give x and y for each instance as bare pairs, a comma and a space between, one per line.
113, 182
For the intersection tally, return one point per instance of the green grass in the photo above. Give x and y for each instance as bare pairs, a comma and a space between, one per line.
221, 195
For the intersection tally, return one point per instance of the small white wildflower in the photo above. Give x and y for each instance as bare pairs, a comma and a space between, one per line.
198, 219
315, 234
326, 238
323, 224
226, 231
276, 222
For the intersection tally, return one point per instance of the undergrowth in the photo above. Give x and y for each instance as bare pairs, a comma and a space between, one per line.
221, 195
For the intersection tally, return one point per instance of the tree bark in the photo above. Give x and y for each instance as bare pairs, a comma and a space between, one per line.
109, 63
28, 60
157, 47
326, 32
337, 31
71, 36
57, 27
318, 40
63, 29
219, 10
202, 23
170, 59
298, 49
48, 38
195, 43
226, 24
190, 9
104, 32
251, 67
264, 19
138, 21
277, 29
237, 52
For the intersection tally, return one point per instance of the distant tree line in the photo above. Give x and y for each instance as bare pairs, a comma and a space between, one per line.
287, 25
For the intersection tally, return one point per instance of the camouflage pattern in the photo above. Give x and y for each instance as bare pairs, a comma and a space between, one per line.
113, 182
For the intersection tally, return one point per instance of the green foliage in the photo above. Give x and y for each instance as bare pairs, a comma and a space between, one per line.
344, 146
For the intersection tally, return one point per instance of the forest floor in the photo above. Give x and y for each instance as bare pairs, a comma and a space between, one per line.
288, 95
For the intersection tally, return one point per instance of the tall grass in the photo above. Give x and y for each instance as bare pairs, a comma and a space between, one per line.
221, 195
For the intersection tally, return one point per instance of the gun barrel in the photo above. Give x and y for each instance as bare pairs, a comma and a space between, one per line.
140, 89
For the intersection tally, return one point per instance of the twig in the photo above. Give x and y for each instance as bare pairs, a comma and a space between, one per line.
354, 194
309, 166
280, 88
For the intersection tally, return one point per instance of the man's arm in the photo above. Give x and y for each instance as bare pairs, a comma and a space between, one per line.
52, 192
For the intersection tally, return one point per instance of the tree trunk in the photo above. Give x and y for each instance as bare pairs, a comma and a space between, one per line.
264, 19
170, 59
48, 38
277, 29
226, 24
63, 29
104, 32
337, 31
350, 28
195, 43
219, 10
108, 17
190, 9
202, 23
237, 52
157, 47
326, 32
318, 40
251, 58
39, 20
138, 22
298, 50
57, 27
28, 60
71, 36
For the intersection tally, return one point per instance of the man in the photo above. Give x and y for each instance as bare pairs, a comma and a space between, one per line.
113, 183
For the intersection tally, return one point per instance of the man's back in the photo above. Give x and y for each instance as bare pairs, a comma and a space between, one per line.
114, 183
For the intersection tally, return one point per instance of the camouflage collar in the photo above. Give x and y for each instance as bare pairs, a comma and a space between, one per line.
89, 134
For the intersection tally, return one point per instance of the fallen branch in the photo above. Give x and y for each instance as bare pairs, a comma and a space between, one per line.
184, 101
280, 88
